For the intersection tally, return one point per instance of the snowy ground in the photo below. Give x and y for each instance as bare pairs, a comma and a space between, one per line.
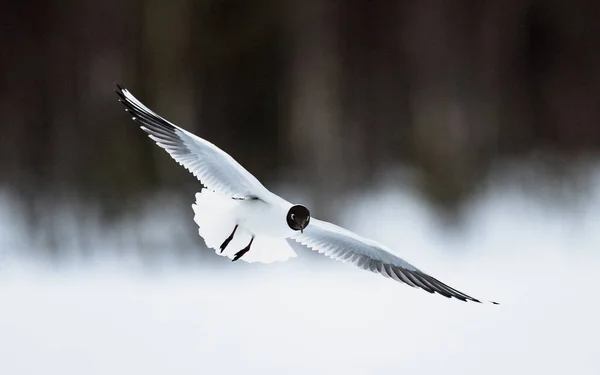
541, 264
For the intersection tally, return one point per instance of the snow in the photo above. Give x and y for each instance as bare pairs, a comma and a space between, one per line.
304, 317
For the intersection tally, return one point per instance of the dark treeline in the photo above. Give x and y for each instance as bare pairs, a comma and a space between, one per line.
329, 91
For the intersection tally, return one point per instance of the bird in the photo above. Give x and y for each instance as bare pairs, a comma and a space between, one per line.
239, 218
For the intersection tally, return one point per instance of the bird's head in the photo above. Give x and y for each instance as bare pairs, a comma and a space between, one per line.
298, 217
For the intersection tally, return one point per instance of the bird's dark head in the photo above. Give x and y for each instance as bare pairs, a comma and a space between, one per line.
298, 217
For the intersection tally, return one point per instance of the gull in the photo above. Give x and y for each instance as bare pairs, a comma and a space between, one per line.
241, 219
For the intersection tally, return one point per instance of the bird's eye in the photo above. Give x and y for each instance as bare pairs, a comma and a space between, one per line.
292, 216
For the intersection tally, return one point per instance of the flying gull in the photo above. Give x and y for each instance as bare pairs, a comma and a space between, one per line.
241, 219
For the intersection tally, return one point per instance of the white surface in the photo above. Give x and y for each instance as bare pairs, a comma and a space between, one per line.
541, 264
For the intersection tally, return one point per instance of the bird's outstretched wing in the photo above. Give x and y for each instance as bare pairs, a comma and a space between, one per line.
212, 166
341, 244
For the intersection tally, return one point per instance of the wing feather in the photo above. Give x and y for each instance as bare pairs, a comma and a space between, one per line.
346, 246
216, 169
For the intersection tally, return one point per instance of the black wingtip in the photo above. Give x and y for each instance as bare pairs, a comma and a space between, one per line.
475, 300
120, 93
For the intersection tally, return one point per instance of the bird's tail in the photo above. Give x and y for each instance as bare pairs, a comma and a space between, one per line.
216, 217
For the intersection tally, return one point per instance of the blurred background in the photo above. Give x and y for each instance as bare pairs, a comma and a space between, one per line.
465, 135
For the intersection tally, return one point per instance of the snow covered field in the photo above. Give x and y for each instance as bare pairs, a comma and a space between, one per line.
541, 263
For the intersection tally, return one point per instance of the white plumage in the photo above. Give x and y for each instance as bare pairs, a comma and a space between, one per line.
217, 215
241, 219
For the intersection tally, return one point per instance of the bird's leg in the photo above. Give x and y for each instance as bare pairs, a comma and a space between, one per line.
228, 239
241, 253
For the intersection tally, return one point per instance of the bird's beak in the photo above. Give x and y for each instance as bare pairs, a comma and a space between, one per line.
304, 225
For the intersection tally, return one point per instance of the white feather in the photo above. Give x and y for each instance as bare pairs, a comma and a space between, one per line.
343, 245
217, 216
216, 169
260, 214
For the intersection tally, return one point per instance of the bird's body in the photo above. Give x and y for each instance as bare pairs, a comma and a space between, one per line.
241, 219
217, 215
263, 218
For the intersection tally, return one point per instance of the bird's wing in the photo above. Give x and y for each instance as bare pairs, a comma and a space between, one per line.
341, 244
212, 166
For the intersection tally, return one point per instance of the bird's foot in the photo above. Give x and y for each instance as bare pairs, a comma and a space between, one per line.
241, 253
228, 239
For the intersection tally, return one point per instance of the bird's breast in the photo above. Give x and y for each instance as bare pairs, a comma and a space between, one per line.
264, 219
